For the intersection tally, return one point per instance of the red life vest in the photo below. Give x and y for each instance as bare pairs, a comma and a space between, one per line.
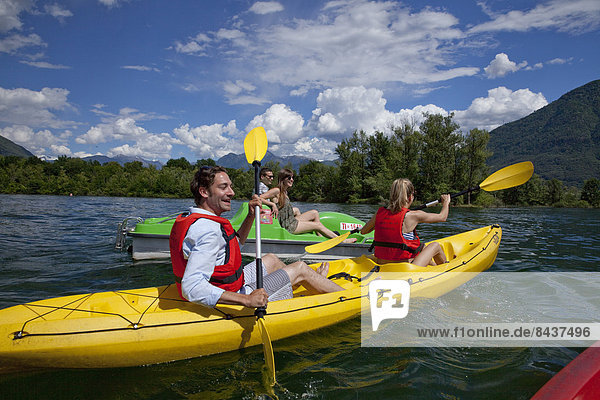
389, 242
229, 276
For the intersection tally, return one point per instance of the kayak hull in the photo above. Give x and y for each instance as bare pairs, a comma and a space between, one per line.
152, 325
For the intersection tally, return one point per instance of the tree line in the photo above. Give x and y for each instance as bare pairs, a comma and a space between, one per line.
435, 156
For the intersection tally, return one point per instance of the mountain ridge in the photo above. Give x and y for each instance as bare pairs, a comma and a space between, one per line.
562, 139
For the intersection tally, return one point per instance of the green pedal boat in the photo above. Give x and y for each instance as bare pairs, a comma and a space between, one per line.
150, 237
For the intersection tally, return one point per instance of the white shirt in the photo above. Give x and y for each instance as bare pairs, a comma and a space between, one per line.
204, 248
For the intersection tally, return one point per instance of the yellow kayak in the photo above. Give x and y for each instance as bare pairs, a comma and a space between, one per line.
152, 325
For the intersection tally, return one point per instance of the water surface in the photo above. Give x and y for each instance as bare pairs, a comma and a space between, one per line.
53, 246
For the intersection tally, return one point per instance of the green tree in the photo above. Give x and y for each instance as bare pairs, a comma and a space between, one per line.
353, 168
555, 191
314, 183
591, 192
406, 143
474, 154
439, 156
180, 163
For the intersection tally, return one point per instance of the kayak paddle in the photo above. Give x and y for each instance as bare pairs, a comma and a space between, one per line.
255, 147
326, 245
507, 177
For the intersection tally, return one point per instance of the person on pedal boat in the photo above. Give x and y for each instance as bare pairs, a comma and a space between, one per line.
396, 238
290, 217
206, 256
266, 179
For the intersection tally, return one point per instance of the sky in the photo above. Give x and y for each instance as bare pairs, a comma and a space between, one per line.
190, 78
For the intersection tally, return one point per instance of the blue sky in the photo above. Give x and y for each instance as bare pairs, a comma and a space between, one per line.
170, 79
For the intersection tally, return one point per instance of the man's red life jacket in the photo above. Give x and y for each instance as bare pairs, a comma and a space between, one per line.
229, 276
389, 242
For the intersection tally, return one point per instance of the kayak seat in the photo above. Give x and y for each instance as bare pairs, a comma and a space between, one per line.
448, 250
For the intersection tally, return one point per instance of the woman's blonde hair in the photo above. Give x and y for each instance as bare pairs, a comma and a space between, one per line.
402, 189
283, 175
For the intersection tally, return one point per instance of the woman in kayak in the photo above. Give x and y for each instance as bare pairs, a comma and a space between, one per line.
396, 238
290, 217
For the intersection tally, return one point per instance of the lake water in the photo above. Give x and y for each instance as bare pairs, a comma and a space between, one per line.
53, 246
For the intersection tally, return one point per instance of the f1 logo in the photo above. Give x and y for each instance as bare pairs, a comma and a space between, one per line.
389, 300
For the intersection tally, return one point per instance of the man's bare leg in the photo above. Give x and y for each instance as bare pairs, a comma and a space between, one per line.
315, 281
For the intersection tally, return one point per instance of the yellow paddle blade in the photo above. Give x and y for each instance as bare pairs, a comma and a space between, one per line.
507, 177
326, 245
268, 350
255, 144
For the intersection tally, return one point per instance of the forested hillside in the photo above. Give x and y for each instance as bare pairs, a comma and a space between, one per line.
436, 157
9, 148
562, 139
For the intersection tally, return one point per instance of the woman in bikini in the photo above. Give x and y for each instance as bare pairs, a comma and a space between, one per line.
290, 217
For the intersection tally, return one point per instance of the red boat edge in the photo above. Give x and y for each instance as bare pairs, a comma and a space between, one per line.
580, 379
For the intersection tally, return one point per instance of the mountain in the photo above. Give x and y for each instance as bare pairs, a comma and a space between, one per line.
121, 159
562, 139
10, 148
232, 160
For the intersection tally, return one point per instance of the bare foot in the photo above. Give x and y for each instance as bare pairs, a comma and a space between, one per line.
350, 240
323, 269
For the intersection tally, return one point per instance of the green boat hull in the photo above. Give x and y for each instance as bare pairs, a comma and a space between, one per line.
150, 237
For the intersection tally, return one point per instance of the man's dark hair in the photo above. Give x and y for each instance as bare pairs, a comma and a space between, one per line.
204, 177
264, 170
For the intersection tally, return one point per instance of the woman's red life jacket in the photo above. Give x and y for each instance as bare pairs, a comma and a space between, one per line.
229, 276
389, 242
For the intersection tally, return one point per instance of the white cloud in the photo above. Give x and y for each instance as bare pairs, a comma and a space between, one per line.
13, 43
559, 61
119, 129
317, 148
60, 150
9, 13
151, 147
44, 65
210, 141
57, 11
134, 139
501, 66
191, 47
266, 7
341, 111
349, 43
140, 68
111, 3
282, 124
28, 107
501, 106
353, 43
242, 92
39, 143
575, 17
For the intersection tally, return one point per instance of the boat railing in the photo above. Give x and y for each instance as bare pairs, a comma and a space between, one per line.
127, 225
170, 217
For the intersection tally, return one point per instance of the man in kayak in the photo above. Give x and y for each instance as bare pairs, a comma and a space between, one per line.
396, 238
206, 257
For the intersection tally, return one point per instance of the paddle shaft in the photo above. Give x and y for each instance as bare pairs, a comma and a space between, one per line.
261, 311
435, 202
